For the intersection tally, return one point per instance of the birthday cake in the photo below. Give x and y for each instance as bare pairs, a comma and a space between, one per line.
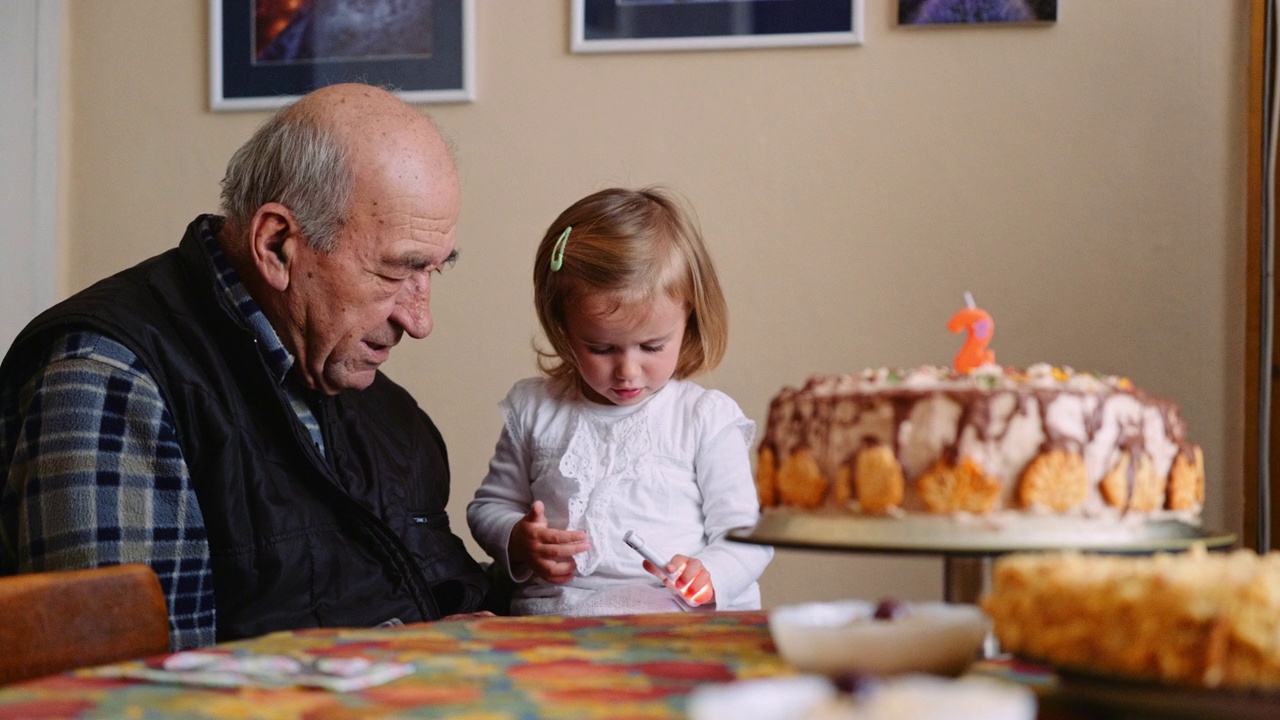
994, 442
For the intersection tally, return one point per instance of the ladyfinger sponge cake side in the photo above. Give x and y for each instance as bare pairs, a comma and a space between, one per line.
1045, 440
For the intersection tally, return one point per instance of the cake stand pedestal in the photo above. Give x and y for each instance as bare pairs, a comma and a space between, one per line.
968, 547
964, 578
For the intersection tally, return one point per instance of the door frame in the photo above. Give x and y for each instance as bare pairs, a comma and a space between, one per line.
34, 266
1254, 463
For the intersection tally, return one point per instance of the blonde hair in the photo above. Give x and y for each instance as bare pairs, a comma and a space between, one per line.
630, 245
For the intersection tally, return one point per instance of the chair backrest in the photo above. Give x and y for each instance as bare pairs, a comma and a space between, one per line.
56, 621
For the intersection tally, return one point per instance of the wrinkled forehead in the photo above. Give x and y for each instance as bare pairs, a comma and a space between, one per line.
408, 174
407, 149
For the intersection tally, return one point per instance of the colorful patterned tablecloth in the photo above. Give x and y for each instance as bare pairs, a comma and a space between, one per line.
641, 666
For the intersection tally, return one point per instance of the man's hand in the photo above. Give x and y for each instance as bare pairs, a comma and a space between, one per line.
547, 552
478, 615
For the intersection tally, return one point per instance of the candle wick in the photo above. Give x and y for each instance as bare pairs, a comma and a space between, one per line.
968, 300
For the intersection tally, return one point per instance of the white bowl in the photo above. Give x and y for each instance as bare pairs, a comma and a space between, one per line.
837, 638
775, 698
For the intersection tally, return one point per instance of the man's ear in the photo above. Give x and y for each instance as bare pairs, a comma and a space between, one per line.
274, 238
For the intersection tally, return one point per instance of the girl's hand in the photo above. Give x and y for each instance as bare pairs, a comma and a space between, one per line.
547, 552
692, 581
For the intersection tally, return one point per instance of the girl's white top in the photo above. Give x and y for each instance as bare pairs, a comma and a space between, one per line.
674, 468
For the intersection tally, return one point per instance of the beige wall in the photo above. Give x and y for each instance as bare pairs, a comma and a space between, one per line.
1085, 180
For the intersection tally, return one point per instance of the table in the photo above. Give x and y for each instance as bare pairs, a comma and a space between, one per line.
641, 666
624, 667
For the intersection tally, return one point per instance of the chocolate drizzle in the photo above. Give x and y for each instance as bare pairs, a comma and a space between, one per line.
836, 416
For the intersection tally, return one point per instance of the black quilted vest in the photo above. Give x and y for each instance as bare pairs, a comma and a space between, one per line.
295, 540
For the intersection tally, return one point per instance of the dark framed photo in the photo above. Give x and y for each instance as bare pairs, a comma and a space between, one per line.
953, 12
645, 25
268, 53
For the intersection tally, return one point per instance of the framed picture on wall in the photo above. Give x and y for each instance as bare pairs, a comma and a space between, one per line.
952, 12
643, 25
267, 53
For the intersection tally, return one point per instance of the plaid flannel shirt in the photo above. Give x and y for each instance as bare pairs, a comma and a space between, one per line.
96, 474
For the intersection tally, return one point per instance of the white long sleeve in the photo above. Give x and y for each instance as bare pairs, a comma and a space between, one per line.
502, 499
722, 467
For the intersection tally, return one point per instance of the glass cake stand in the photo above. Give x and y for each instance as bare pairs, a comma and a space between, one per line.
968, 545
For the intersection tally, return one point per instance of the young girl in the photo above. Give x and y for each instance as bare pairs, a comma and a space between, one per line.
614, 438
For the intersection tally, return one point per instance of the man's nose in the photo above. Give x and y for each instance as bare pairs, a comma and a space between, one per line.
413, 308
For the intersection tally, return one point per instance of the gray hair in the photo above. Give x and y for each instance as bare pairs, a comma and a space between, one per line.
293, 160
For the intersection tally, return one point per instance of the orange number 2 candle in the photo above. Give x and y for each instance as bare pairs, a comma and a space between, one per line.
978, 323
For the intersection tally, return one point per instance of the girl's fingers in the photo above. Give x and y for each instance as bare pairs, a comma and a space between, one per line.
704, 593
561, 542
556, 570
656, 571
692, 581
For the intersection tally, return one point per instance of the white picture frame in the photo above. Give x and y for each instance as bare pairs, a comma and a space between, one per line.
239, 79
602, 26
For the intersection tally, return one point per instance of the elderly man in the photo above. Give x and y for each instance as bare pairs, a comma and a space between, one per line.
217, 411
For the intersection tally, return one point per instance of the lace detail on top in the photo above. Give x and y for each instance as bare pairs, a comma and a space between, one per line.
602, 453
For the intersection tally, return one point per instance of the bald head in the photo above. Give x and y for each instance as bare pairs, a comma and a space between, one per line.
312, 155
356, 105
363, 116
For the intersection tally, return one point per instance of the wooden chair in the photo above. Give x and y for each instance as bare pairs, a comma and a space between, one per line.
51, 622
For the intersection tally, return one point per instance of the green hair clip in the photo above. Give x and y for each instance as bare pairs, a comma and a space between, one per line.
557, 253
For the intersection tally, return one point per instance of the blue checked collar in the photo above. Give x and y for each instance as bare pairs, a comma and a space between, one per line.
278, 359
